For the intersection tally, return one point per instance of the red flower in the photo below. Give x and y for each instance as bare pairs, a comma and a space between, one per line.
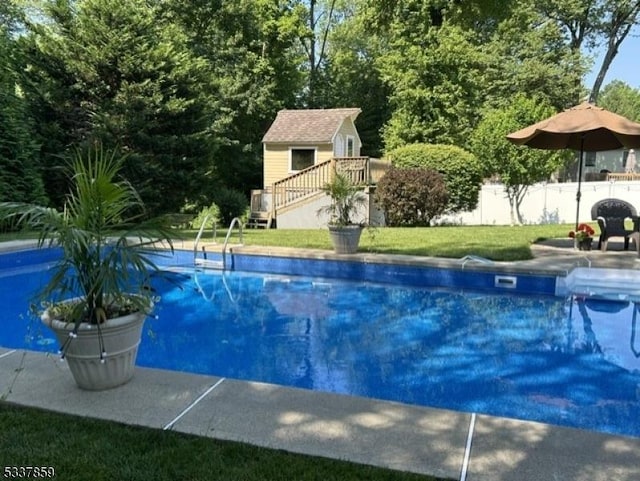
584, 231
587, 229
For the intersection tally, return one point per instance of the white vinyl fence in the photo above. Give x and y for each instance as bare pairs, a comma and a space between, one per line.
545, 203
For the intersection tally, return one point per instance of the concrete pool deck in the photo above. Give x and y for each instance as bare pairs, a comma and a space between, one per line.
448, 444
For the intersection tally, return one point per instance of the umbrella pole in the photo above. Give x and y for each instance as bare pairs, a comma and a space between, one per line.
579, 194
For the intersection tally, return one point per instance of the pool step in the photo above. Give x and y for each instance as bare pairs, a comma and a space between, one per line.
209, 264
604, 283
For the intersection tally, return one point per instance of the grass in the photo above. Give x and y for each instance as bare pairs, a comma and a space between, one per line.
80, 448
499, 243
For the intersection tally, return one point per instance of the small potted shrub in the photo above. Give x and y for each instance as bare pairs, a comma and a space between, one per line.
99, 293
346, 200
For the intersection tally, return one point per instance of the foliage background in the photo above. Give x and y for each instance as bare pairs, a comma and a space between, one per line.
462, 171
188, 89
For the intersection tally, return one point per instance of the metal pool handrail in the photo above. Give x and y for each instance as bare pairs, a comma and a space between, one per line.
223, 265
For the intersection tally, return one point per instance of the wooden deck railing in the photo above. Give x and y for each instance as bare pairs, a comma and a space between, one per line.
310, 181
356, 169
623, 176
300, 185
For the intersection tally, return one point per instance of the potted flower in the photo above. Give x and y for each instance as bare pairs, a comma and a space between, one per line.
346, 200
98, 295
583, 237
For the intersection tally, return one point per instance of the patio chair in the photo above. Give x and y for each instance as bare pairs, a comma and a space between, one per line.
611, 215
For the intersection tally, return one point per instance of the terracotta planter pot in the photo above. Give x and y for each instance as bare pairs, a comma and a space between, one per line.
120, 339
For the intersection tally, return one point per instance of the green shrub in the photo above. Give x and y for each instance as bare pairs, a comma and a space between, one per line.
461, 170
214, 217
411, 196
231, 203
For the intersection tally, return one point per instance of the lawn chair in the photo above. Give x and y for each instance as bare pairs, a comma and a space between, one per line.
611, 215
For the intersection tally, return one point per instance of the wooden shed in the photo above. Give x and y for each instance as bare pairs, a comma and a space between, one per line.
302, 151
299, 139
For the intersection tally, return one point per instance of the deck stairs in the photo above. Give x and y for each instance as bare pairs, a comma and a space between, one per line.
260, 220
305, 186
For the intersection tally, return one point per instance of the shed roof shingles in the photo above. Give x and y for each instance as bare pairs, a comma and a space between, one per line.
308, 126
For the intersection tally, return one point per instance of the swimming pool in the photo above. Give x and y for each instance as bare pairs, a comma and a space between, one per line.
539, 357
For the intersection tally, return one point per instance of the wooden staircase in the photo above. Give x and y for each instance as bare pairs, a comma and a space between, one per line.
259, 220
307, 184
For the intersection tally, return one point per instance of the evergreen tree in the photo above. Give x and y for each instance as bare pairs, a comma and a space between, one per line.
114, 72
20, 178
250, 49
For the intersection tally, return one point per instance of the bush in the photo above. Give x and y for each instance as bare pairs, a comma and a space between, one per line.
214, 217
231, 203
411, 196
462, 171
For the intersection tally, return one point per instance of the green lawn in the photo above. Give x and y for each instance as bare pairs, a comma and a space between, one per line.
499, 243
80, 449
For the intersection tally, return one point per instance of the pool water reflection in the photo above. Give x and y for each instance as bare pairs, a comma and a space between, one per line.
528, 357
562, 361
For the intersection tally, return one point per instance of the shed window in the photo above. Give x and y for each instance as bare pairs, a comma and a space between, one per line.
302, 158
350, 148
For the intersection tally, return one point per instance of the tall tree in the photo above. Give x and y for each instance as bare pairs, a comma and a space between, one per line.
589, 24
619, 17
526, 53
442, 68
252, 51
20, 177
434, 75
114, 71
321, 19
516, 167
350, 75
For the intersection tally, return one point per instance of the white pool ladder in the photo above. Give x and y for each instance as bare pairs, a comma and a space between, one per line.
209, 263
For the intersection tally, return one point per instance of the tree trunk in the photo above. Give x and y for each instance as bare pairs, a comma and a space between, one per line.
521, 191
316, 53
621, 24
513, 209
610, 54
516, 194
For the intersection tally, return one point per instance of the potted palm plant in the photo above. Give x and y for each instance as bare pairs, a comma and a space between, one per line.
98, 295
346, 200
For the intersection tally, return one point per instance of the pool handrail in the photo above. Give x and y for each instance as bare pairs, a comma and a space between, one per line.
234, 221
204, 262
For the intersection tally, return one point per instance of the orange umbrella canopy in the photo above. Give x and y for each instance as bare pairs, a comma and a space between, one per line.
584, 127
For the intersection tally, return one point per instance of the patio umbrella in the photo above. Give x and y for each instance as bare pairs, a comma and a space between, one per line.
585, 128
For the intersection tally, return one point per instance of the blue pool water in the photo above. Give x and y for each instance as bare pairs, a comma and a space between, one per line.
561, 361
